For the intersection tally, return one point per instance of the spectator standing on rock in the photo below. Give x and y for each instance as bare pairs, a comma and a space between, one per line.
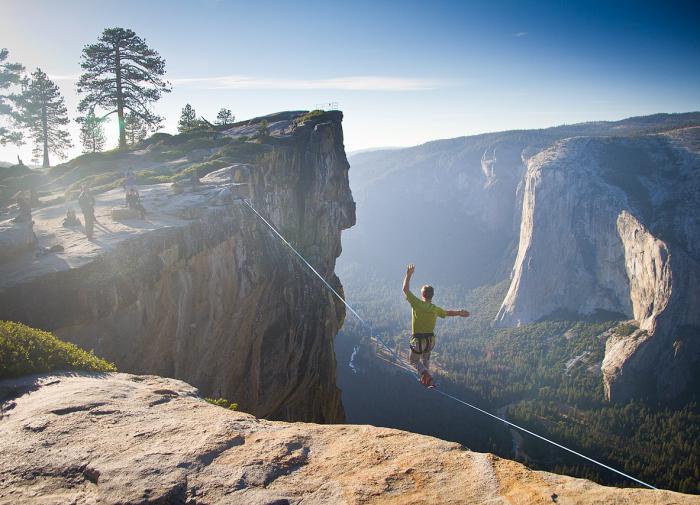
87, 204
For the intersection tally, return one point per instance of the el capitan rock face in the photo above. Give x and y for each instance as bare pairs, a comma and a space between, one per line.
120, 438
611, 224
202, 290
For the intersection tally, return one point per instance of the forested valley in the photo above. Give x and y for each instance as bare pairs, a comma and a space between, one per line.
544, 376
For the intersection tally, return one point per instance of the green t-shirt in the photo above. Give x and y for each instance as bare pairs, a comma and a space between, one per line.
424, 314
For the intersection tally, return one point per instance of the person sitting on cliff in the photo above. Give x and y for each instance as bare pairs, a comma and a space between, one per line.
133, 201
424, 316
71, 220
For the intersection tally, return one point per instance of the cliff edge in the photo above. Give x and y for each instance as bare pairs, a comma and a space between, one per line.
200, 289
119, 438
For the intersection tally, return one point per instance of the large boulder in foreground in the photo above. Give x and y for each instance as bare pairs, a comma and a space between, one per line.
119, 438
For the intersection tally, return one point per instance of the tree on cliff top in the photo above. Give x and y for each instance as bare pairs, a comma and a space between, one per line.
122, 74
225, 117
92, 133
188, 119
10, 75
42, 110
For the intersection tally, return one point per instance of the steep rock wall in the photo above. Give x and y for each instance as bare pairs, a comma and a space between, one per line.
605, 227
219, 301
567, 242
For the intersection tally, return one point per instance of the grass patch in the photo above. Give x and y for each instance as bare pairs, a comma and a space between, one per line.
222, 402
310, 115
25, 350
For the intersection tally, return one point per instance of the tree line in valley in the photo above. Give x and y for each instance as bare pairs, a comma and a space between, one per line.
121, 75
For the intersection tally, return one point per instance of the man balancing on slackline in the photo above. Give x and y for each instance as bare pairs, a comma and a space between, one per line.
423, 324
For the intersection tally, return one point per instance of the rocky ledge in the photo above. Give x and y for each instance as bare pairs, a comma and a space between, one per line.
119, 438
200, 289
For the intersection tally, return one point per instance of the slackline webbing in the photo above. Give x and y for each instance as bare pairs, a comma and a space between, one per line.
446, 395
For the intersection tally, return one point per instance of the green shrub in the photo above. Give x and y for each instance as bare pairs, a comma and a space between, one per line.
222, 402
25, 350
244, 152
625, 329
202, 169
199, 143
310, 115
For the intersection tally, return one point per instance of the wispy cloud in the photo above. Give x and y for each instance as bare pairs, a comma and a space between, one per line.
520, 34
64, 77
353, 83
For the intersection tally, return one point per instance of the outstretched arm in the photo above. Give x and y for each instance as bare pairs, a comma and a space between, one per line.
407, 280
463, 313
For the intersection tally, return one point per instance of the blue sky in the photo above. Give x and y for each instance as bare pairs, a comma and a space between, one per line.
403, 72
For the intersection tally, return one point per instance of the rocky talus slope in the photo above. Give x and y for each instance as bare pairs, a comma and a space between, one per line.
201, 290
126, 439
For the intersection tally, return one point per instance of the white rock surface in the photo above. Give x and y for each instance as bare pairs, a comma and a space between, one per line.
15, 238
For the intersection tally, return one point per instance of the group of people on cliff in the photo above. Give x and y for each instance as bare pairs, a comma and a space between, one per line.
28, 199
86, 202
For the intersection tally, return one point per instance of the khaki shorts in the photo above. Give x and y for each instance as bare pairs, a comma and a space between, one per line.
421, 345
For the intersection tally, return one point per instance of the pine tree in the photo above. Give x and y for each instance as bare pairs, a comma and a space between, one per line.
10, 75
188, 119
122, 74
92, 133
135, 128
225, 117
42, 110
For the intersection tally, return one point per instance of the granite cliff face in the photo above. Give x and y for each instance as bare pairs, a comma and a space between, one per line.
146, 439
610, 224
203, 291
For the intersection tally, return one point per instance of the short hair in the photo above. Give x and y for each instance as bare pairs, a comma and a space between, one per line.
429, 291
